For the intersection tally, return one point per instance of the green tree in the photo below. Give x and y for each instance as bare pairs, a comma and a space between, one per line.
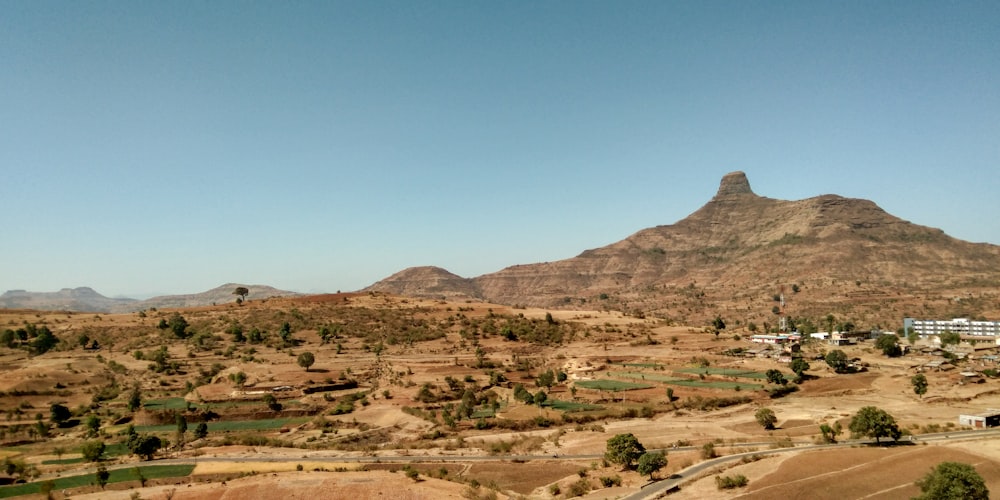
889, 345
837, 360
949, 337
272, 402
93, 424
134, 399
59, 413
546, 379
624, 450
830, 319
44, 342
875, 422
953, 481
718, 324
306, 360
912, 336
92, 450
766, 418
102, 475
182, 427
200, 430
7, 338
145, 446
540, 398
236, 330
799, 366
775, 377
242, 292
830, 433
919, 382
650, 463
178, 325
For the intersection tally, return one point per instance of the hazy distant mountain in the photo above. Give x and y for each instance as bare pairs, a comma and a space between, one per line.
81, 299
738, 251
217, 295
85, 299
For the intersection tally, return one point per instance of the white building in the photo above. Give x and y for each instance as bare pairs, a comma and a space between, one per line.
961, 326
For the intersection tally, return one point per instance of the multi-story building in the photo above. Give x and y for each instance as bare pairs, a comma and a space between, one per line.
961, 326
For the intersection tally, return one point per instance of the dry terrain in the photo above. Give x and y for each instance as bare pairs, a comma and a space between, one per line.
394, 376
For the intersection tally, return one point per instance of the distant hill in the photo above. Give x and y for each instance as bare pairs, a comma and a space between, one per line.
82, 299
738, 251
85, 299
217, 295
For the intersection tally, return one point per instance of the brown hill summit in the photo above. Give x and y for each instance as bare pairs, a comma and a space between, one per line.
737, 251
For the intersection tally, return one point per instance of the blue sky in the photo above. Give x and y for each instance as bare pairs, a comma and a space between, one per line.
170, 147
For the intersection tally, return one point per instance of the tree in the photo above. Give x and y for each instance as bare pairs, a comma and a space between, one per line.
306, 360
718, 324
93, 424
830, 433
912, 336
624, 450
102, 475
799, 366
830, 319
272, 402
145, 446
200, 430
837, 360
59, 413
875, 422
649, 463
182, 427
766, 418
546, 379
178, 325
92, 450
242, 292
953, 481
44, 342
889, 344
540, 398
776, 377
134, 399
7, 338
949, 337
919, 382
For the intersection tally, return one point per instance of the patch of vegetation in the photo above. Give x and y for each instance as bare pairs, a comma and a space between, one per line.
610, 385
116, 476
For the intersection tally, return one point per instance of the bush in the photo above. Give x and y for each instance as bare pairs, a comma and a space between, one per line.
730, 482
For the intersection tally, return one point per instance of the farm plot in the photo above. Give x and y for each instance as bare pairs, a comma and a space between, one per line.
610, 385
686, 382
116, 476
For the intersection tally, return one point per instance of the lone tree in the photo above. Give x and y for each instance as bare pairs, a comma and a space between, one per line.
201, 430
799, 366
624, 450
949, 337
875, 422
92, 450
178, 325
651, 462
953, 481
102, 475
718, 324
889, 344
306, 360
59, 413
766, 418
919, 382
144, 445
775, 377
837, 360
241, 292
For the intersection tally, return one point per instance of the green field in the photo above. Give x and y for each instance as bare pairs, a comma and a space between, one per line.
687, 382
610, 385
725, 372
646, 376
232, 425
117, 476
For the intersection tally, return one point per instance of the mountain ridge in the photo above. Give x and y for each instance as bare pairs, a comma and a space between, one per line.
738, 250
86, 299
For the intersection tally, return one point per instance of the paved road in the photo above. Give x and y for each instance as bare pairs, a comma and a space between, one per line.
659, 488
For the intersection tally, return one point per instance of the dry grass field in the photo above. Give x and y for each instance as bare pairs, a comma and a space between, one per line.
394, 378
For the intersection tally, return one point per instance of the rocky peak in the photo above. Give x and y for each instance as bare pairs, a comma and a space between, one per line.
734, 184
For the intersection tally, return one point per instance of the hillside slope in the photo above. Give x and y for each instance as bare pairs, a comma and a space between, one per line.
739, 249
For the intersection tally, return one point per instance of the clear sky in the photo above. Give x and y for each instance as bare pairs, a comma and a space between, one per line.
171, 147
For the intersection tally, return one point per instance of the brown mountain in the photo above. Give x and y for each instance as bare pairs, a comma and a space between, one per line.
733, 255
84, 299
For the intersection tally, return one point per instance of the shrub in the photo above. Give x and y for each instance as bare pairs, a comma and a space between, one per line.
730, 482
